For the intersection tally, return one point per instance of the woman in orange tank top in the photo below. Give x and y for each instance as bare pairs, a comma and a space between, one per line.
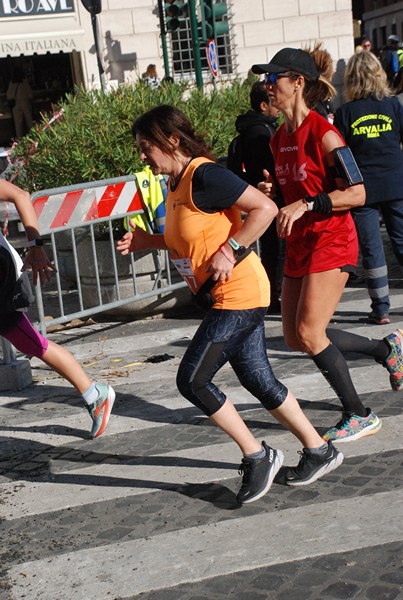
209, 244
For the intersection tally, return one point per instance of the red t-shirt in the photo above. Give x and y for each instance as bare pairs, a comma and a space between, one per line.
317, 242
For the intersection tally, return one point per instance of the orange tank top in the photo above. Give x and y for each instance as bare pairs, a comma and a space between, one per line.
194, 236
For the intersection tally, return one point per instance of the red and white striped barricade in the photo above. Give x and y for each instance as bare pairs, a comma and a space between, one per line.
71, 206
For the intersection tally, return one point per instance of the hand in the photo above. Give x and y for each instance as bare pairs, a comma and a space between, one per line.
220, 267
38, 261
287, 217
267, 186
138, 239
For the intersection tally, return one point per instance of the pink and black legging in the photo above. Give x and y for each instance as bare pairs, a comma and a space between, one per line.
17, 329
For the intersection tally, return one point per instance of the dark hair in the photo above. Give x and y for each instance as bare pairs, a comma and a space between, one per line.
258, 94
159, 123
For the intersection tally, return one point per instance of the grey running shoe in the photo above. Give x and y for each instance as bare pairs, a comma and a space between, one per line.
258, 474
313, 466
100, 410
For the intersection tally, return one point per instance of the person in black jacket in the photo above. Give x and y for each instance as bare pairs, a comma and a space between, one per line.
256, 128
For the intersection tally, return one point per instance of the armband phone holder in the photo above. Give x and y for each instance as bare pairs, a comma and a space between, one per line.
345, 166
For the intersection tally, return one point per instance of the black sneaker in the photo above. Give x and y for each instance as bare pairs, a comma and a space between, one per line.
313, 466
258, 474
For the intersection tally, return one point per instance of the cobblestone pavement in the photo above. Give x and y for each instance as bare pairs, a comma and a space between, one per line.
148, 511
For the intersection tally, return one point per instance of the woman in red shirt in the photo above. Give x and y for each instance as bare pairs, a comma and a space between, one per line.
321, 240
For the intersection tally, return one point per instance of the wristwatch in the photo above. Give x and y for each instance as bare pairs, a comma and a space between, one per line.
309, 204
238, 250
36, 242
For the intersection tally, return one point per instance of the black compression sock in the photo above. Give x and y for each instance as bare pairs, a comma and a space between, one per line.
351, 342
335, 370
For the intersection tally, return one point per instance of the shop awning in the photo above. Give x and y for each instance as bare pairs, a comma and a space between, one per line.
37, 35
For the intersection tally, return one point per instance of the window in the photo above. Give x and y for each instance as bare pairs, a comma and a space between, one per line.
182, 50
383, 35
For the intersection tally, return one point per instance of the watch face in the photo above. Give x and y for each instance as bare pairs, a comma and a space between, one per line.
240, 251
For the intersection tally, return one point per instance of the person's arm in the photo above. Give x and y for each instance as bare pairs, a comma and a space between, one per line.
341, 199
138, 239
260, 212
36, 257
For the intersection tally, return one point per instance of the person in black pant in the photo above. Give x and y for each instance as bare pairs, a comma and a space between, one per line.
256, 128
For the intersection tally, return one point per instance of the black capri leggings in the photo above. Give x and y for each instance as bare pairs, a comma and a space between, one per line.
236, 336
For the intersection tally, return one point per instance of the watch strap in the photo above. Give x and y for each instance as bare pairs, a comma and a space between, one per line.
233, 243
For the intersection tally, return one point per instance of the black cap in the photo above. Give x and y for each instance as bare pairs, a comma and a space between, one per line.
290, 59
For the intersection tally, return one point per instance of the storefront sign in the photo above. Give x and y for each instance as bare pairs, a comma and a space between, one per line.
42, 44
15, 48
35, 8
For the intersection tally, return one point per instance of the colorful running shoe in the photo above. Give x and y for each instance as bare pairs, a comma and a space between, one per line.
378, 319
352, 427
312, 466
100, 410
258, 474
394, 362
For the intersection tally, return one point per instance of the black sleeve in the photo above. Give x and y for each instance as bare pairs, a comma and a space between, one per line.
340, 124
215, 188
399, 110
257, 155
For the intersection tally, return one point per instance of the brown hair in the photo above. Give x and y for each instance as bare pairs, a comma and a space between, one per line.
151, 71
322, 89
159, 123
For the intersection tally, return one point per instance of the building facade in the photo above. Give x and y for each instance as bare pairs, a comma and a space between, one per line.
382, 18
52, 42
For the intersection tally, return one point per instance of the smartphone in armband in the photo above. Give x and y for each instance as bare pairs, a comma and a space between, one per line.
345, 166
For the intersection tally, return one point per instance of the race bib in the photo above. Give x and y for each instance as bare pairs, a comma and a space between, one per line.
185, 270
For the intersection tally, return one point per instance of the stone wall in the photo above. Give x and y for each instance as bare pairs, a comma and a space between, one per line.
130, 34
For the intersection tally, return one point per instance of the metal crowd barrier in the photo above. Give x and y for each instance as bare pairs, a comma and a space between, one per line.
59, 220
72, 214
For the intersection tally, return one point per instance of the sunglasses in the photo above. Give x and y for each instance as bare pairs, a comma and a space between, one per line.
271, 78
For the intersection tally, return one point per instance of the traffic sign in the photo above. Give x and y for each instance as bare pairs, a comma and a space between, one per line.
212, 57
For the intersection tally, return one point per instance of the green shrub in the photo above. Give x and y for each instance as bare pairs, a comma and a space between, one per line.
92, 140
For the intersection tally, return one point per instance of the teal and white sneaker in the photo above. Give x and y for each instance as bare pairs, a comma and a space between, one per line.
100, 410
352, 427
394, 362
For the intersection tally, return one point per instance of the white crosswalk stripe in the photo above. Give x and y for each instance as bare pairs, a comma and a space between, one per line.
186, 555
